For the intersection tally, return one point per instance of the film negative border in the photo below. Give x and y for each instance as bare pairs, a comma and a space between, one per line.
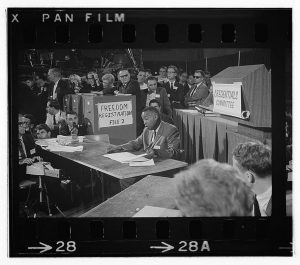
155, 28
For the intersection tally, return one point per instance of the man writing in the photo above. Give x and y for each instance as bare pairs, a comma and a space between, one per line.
159, 139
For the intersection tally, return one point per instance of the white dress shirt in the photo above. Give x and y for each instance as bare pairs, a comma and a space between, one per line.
263, 200
54, 93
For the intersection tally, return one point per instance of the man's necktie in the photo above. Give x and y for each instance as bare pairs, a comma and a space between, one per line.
256, 208
171, 86
193, 91
54, 120
21, 149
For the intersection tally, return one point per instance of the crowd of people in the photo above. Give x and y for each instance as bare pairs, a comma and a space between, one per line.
206, 188
170, 89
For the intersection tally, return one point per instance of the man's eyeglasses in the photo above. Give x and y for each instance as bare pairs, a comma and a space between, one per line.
171, 72
121, 76
197, 76
22, 123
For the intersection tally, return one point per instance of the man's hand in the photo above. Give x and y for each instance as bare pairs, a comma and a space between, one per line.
150, 153
26, 161
114, 149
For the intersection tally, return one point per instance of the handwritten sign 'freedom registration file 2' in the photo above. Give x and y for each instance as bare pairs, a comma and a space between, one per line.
115, 114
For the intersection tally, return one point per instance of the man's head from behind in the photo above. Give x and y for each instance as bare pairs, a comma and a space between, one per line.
43, 131
254, 161
210, 188
151, 117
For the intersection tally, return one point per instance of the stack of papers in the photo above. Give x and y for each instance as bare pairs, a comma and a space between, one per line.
52, 145
64, 148
151, 211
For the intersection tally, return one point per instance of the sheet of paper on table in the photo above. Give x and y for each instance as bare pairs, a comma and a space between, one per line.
151, 211
64, 148
124, 157
146, 163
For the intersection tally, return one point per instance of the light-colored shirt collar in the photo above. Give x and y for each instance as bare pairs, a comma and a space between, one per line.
156, 130
263, 200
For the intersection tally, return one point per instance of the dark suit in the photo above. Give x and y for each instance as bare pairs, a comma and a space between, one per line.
109, 91
63, 88
176, 95
197, 94
26, 99
162, 97
165, 145
64, 129
133, 87
30, 151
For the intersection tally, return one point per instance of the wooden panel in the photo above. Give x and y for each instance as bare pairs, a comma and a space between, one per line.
151, 191
256, 92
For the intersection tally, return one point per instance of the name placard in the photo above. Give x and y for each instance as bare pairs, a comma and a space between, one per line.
228, 98
115, 114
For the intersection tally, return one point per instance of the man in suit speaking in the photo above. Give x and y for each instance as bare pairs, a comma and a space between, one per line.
158, 139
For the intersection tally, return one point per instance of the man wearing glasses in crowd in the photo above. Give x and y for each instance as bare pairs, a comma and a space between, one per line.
199, 92
174, 89
129, 86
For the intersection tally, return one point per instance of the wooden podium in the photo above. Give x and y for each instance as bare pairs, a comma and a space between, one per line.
256, 98
113, 115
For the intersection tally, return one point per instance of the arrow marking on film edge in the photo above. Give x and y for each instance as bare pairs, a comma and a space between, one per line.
165, 248
44, 248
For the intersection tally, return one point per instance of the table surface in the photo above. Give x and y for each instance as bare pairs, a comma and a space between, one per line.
150, 191
95, 146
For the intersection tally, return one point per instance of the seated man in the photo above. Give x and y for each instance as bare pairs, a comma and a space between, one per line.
30, 124
199, 92
212, 189
43, 131
254, 161
158, 139
164, 117
54, 116
70, 126
27, 148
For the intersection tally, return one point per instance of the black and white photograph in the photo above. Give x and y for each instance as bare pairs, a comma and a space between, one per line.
164, 132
